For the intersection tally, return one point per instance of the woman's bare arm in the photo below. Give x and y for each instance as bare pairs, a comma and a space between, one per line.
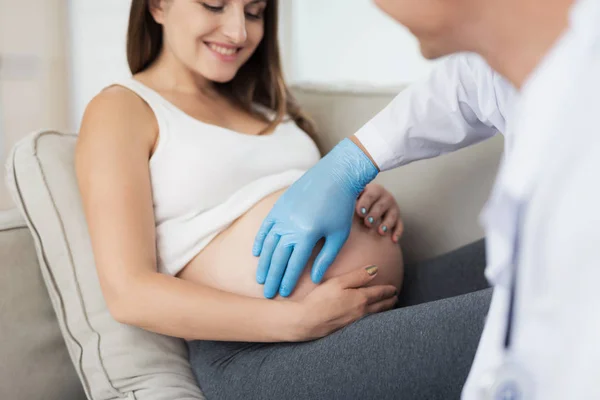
116, 139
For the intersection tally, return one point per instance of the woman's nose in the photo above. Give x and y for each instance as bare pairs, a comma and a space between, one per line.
234, 26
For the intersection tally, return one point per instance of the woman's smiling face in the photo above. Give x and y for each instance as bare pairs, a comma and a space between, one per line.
211, 38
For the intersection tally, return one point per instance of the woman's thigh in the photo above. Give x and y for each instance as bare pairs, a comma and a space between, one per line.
418, 352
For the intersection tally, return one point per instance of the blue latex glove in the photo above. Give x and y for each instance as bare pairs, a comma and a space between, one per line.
319, 205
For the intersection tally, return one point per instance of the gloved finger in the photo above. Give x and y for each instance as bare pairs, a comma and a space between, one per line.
333, 245
367, 198
260, 237
278, 266
296, 265
389, 221
264, 262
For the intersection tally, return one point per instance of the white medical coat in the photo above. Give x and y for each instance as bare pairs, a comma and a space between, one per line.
547, 192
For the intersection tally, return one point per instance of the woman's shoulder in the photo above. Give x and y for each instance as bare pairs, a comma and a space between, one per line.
118, 101
117, 105
117, 111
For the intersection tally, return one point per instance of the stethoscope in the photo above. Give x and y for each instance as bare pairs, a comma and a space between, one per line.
509, 381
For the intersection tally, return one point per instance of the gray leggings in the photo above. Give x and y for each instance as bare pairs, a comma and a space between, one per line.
421, 350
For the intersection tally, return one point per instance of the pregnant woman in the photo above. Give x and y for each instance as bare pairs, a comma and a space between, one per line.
179, 165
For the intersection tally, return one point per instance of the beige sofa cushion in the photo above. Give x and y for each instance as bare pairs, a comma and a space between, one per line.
34, 363
440, 199
112, 360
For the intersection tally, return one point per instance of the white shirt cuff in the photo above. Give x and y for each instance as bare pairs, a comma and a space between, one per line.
378, 147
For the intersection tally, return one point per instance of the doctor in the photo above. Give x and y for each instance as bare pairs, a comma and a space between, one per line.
542, 221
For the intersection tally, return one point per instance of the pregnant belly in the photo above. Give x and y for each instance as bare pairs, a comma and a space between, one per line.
227, 262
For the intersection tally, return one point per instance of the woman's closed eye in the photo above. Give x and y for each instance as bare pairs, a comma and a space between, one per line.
254, 16
213, 7
254, 11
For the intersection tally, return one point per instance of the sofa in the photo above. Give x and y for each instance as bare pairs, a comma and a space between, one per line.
46, 338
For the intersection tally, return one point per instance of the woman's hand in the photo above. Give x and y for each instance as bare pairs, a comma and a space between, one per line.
379, 210
342, 300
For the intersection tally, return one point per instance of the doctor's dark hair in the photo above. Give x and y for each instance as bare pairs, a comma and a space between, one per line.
259, 80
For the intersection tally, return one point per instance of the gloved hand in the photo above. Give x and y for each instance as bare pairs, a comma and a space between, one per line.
319, 205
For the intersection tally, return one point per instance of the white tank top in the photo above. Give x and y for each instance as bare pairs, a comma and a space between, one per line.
204, 176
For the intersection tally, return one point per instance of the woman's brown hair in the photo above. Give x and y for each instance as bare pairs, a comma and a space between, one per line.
259, 80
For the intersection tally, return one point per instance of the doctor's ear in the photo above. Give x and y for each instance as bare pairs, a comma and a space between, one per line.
158, 8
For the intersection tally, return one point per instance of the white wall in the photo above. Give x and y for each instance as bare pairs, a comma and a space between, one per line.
33, 87
97, 45
352, 41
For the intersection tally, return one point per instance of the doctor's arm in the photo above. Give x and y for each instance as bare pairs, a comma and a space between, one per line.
458, 105
461, 103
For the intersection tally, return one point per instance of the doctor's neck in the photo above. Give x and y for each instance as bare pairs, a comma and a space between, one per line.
515, 36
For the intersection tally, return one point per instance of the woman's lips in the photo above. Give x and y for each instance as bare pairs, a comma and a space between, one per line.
224, 52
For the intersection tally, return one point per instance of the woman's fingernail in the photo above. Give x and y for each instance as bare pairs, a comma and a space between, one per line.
363, 211
384, 228
372, 270
371, 220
